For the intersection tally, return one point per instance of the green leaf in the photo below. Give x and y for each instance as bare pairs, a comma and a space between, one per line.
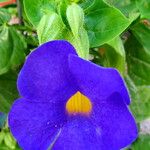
140, 100
35, 9
138, 62
81, 43
142, 143
8, 91
112, 54
4, 16
135, 100
61, 9
127, 7
144, 7
9, 141
75, 17
12, 46
103, 23
118, 47
133, 92
117, 44
50, 27
2, 135
144, 106
141, 31
86, 4
138, 54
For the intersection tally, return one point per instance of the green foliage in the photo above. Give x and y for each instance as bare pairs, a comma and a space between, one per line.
112, 54
98, 21
7, 142
140, 104
50, 27
35, 9
144, 8
12, 56
4, 16
117, 60
12, 46
143, 143
127, 7
103, 23
8, 90
75, 17
138, 60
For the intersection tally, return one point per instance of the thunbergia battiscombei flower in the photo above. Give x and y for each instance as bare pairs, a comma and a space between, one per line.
68, 103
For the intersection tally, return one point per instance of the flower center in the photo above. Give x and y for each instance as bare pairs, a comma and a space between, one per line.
79, 103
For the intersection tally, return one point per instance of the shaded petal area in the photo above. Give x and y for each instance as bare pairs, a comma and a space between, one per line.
80, 133
97, 81
117, 123
35, 125
45, 72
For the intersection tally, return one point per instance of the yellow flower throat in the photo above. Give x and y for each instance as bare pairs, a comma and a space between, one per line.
79, 103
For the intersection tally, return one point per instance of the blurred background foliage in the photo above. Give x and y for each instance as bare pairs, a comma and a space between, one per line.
116, 33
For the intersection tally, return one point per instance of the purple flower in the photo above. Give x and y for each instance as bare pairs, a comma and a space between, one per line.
68, 103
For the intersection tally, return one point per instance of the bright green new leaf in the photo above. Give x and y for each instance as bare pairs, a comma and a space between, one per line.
35, 9
75, 17
2, 134
12, 46
103, 23
51, 27
8, 91
81, 43
9, 141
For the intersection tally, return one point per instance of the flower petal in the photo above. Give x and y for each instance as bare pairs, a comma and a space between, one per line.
45, 72
79, 133
35, 125
117, 123
95, 80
